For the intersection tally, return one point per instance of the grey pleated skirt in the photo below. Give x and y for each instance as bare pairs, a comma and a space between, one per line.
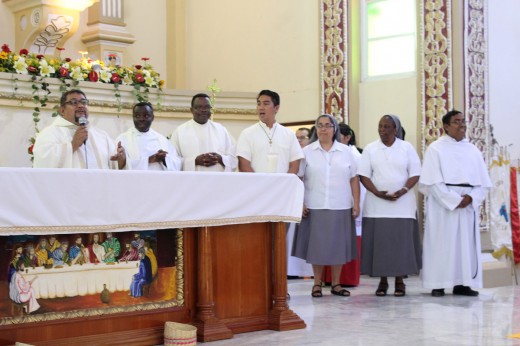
390, 247
326, 237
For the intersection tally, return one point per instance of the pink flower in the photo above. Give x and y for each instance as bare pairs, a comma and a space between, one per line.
93, 76
115, 78
24, 52
5, 48
63, 71
32, 69
139, 78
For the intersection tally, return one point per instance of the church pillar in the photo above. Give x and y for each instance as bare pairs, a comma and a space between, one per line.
476, 96
436, 67
334, 67
106, 37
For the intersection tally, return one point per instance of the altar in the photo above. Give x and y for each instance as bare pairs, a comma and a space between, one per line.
229, 257
81, 280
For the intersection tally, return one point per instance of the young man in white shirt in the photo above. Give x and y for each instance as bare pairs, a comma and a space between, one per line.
267, 146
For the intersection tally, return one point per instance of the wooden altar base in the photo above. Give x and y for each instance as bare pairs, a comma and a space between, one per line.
242, 281
235, 281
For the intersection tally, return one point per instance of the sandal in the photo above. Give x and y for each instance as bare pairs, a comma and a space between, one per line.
342, 292
381, 289
400, 289
316, 293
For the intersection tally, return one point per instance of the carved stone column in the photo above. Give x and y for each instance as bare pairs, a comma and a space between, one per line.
476, 83
436, 73
334, 82
106, 36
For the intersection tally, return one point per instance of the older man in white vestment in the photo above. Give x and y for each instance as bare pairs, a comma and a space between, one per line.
268, 147
148, 149
455, 181
203, 144
71, 142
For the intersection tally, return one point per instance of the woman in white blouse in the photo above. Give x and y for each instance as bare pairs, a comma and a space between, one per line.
390, 245
327, 233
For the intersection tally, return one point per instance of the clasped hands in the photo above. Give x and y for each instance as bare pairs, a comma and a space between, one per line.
355, 211
390, 197
208, 159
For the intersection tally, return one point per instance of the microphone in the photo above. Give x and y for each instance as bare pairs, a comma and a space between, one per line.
82, 121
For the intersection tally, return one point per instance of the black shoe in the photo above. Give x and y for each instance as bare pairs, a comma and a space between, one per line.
439, 292
464, 291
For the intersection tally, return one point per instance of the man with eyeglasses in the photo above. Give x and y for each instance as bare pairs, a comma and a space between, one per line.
303, 135
72, 142
203, 144
455, 181
146, 148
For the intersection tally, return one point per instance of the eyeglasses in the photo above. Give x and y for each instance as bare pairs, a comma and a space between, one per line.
301, 138
143, 116
459, 122
75, 102
326, 126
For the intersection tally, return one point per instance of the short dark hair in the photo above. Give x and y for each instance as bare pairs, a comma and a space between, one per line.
447, 117
305, 129
197, 96
142, 104
63, 98
272, 94
346, 130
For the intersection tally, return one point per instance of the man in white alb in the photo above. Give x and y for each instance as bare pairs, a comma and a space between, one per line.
148, 149
268, 147
71, 142
203, 144
455, 181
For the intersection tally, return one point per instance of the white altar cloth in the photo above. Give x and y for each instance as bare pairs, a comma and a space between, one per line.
80, 280
53, 201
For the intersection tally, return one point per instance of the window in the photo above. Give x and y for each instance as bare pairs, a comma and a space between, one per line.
389, 41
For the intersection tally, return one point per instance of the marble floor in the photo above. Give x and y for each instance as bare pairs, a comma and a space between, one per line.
418, 319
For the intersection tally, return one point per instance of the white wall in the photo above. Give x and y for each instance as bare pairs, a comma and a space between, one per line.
253, 45
504, 73
388, 96
6, 26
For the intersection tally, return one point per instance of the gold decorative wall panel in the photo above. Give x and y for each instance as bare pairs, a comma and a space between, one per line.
436, 67
476, 70
334, 81
476, 83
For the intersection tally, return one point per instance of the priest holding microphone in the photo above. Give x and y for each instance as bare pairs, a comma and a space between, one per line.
71, 142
